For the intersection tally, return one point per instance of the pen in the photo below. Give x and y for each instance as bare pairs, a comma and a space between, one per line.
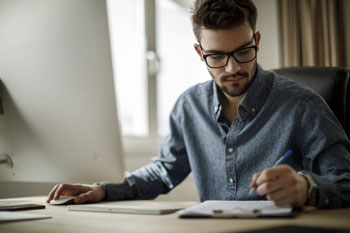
279, 162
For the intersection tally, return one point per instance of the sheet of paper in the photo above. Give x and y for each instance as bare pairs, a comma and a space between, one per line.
235, 208
6, 216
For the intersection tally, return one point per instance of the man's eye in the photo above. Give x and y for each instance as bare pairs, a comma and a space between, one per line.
242, 52
217, 56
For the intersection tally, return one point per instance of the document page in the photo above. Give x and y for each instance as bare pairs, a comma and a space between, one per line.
235, 209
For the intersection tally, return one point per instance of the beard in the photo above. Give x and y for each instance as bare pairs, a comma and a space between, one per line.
234, 89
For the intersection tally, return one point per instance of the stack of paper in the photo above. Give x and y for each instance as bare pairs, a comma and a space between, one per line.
230, 209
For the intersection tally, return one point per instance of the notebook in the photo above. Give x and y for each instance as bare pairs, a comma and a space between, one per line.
128, 209
237, 209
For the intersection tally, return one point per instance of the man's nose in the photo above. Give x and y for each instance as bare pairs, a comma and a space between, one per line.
232, 66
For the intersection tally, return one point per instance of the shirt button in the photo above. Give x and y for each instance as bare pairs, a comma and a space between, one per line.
253, 109
231, 180
230, 150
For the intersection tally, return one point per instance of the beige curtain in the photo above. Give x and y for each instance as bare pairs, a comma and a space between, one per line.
312, 33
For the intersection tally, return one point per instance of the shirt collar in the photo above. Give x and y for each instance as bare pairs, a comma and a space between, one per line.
257, 92
255, 97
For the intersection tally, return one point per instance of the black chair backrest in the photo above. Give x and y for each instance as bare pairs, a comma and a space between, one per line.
332, 83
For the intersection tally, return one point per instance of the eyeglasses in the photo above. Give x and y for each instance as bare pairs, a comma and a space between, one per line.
241, 55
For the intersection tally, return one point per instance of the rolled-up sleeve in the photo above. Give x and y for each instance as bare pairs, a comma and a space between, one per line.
324, 143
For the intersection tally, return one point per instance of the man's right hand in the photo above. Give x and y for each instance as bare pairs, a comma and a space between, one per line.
83, 192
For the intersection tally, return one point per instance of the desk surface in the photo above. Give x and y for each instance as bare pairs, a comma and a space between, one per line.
75, 221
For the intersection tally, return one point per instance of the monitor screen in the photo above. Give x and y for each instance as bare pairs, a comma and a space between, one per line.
59, 120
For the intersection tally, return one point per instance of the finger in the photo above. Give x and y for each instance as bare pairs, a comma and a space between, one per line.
52, 193
266, 175
269, 187
282, 179
273, 173
278, 194
85, 197
285, 201
66, 189
293, 193
284, 187
254, 179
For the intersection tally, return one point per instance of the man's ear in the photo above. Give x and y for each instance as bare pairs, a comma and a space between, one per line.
257, 36
198, 50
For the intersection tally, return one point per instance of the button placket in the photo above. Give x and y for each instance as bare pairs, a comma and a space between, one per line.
229, 166
231, 149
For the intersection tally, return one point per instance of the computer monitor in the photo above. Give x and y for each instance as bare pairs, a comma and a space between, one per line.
59, 121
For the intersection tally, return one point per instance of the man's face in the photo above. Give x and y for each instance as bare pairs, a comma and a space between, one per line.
235, 78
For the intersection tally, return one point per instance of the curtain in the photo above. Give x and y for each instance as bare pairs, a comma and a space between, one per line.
313, 33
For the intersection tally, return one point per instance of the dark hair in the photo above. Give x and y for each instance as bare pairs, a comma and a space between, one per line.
222, 14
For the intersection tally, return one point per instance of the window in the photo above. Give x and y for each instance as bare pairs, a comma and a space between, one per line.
128, 46
178, 67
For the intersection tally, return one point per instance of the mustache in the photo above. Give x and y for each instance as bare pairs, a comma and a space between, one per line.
238, 74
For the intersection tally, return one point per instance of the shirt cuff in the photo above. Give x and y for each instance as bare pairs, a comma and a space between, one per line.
121, 191
329, 196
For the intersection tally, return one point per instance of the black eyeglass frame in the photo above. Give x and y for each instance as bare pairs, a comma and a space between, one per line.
230, 54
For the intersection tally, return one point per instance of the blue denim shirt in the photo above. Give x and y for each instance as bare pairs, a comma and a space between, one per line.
276, 115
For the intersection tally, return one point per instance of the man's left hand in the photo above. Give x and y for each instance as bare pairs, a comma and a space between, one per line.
281, 184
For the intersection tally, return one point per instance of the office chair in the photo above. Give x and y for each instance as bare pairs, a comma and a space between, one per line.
332, 83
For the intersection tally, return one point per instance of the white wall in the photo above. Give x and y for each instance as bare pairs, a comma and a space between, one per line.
270, 55
60, 112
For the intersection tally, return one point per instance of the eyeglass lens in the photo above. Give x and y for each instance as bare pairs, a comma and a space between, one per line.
242, 56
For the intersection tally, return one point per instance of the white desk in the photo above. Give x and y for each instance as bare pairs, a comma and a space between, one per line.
75, 221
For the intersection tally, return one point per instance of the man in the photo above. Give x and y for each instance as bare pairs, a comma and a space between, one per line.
230, 131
